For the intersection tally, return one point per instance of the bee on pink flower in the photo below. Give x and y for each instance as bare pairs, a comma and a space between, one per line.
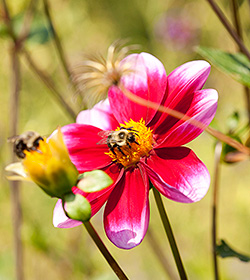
154, 153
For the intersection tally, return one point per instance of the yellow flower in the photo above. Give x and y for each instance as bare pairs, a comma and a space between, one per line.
49, 166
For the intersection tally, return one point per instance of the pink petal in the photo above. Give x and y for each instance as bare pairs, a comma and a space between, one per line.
85, 153
202, 108
147, 80
126, 214
60, 220
178, 174
99, 116
184, 80
188, 77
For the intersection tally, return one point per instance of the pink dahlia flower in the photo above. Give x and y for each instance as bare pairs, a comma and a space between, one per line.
158, 156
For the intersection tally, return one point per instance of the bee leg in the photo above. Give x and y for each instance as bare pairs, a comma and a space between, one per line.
127, 143
131, 129
36, 143
120, 150
34, 149
136, 142
112, 150
122, 127
21, 154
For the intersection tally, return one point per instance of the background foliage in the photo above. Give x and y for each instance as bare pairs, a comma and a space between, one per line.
89, 27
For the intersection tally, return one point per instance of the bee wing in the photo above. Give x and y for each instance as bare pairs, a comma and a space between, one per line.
12, 139
104, 134
102, 142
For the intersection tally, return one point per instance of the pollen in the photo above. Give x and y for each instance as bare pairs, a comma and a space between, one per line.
131, 153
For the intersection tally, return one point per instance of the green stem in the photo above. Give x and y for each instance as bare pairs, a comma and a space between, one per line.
218, 150
103, 249
170, 235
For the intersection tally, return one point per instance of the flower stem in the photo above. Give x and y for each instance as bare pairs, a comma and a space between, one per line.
170, 235
111, 261
218, 150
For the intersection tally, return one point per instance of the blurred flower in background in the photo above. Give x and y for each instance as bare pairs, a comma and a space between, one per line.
177, 30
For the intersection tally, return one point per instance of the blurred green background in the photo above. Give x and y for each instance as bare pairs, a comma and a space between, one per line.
170, 30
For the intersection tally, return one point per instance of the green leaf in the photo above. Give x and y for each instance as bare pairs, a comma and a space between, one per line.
225, 251
233, 121
40, 34
237, 65
226, 149
40, 31
240, 2
77, 207
228, 3
94, 181
3, 31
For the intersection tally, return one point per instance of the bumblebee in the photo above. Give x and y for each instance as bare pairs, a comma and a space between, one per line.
28, 141
119, 139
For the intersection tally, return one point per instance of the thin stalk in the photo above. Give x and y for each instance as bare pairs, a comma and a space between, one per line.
166, 110
103, 249
160, 255
170, 235
18, 45
25, 30
236, 18
7, 19
247, 98
237, 24
15, 85
14, 185
229, 27
49, 83
58, 44
218, 150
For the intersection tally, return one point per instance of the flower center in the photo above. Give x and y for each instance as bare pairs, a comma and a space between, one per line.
129, 142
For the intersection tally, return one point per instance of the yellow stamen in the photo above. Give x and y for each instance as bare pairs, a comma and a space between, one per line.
144, 137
